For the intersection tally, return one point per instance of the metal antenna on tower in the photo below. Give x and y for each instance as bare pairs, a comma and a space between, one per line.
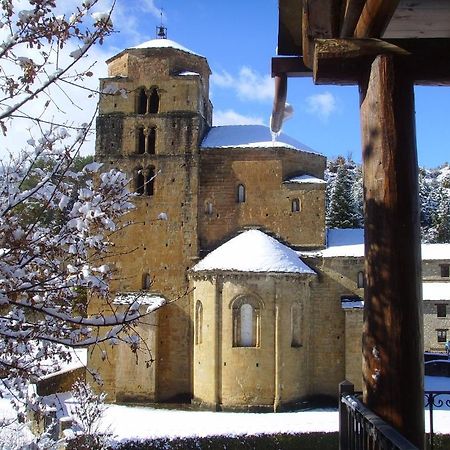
161, 30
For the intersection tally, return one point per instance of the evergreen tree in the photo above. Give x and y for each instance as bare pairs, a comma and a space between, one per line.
341, 211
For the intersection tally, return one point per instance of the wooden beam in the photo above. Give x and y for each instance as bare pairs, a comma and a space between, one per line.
340, 61
352, 12
290, 66
320, 20
289, 32
375, 18
393, 320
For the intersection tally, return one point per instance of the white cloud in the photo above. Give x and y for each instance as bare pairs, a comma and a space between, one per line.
149, 6
230, 117
321, 105
248, 84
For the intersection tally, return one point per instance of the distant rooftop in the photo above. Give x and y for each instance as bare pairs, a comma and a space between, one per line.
249, 136
436, 290
350, 242
253, 251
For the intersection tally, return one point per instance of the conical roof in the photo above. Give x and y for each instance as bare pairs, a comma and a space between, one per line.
253, 251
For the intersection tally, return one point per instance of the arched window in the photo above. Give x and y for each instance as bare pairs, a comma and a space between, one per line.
140, 182
142, 102
153, 106
208, 208
146, 281
246, 316
295, 207
247, 336
296, 338
141, 141
198, 322
360, 281
150, 181
241, 193
151, 141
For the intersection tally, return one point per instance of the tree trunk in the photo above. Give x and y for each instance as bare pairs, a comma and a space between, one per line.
393, 328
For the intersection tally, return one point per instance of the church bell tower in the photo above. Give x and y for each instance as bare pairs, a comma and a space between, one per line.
153, 113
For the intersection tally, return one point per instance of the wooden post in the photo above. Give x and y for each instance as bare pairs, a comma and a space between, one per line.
393, 329
345, 388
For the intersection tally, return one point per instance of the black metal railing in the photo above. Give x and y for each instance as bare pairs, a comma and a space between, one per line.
433, 400
361, 429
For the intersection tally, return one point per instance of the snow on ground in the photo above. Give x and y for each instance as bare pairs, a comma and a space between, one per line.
128, 422
253, 251
140, 423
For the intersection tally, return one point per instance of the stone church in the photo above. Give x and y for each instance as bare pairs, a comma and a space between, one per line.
263, 304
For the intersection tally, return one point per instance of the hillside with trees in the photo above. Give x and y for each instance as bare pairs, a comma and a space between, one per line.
344, 201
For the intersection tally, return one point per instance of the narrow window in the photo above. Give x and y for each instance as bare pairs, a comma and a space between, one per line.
151, 141
198, 322
146, 281
141, 141
246, 334
441, 310
140, 182
296, 340
142, 102
150, 181
153, 107
241, 193
209, 208
441, 335
360, 281
445, 270
246, 318
295, 205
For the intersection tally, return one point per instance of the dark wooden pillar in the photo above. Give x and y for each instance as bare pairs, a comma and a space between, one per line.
393, 329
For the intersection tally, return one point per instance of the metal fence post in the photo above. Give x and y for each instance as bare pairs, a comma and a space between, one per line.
345, 388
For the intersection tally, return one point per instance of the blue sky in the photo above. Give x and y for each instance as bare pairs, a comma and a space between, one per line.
239, 37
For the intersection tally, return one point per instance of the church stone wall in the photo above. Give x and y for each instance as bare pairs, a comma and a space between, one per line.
353, 346
273, 373
337, 278
268, 202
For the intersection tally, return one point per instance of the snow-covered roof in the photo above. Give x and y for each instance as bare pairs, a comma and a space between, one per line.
341, 242
186, 73
435, 251
350, 242
245, 136
143, 298
305, 179
253, 251
436, 290
164, 43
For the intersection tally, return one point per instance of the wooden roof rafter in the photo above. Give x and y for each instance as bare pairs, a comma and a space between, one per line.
324, 23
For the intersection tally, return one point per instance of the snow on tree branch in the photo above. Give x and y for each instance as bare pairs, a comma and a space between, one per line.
56, 220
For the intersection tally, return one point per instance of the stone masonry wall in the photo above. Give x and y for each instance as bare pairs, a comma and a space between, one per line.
268, 202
